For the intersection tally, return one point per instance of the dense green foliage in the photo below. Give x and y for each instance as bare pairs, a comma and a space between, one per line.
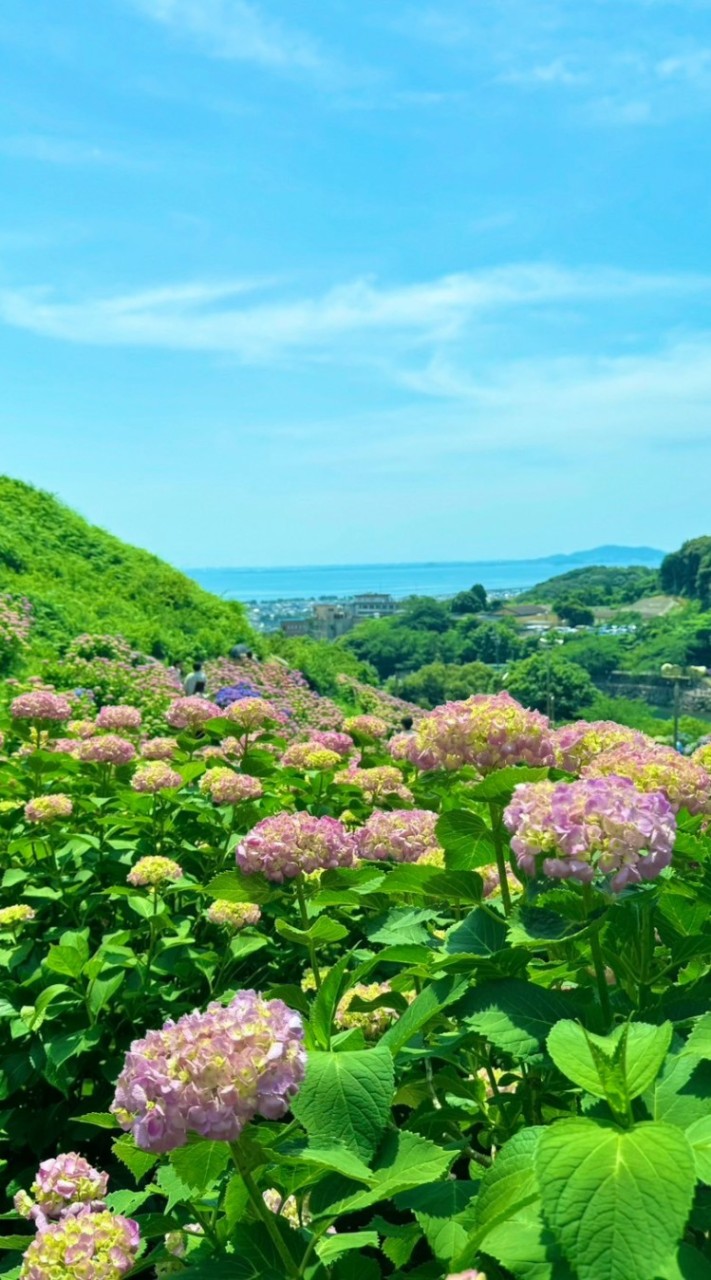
687, 572
427, 631
597, 585
79, 578
549, 683
321, 661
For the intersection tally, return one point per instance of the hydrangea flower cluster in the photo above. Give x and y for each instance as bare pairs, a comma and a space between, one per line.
48, 808
251, 714
119, 717
86, 1246
153, 870
686, 784
62, 1182
17, 914
341, 743
488, 731
378, 702
82, 728
287, 1207
384, 782
41, 704
372, 1022
155, 776
210, 1073
366, 726
589, 828
107, 749
159, 748
291, 844
467, 1275
191, 713
224, 786
398, 835
702, 756
577, 744
235, 692
310, 755
285, 689
233, 915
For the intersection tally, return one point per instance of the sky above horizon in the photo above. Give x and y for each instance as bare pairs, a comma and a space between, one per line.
309, 281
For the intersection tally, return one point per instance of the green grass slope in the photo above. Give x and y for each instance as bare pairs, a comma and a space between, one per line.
79, 578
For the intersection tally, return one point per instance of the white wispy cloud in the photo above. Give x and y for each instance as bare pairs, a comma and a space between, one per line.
237, 30
50, 149
246, 318
556, 72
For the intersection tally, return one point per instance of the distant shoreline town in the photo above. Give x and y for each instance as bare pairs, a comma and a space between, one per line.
329, 617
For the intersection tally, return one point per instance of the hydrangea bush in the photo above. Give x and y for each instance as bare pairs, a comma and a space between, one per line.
288, 992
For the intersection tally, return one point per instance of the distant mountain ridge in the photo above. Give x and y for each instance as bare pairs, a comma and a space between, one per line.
610, 556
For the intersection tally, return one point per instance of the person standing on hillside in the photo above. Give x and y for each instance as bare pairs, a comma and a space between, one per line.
196, 682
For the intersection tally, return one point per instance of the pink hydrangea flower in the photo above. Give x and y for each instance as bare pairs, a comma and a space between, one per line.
210, 1073
366, 726
590, 828
290, 844
41, 704
251, 714
62, 1182
224, 786
398, 835
488, 731
233, 915
153, 871
83, 1246
119, 717
701, 756
310, 755
191, 713
82, 728
159, 748
341, 743
654, 768
48, 808
155, 776
383, 782
107, 749
576, 745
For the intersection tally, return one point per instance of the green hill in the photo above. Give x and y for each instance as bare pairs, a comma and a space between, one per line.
79, 578
597, 585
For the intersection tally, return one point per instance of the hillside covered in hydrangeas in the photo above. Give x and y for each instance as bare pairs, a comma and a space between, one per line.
78, 578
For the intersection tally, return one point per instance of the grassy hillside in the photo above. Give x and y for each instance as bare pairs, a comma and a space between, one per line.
79, 578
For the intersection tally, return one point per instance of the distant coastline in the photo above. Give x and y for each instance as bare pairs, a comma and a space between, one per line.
337, 582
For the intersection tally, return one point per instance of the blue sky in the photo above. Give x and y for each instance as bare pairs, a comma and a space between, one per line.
316, 281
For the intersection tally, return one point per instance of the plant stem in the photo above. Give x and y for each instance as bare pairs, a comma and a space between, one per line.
265, 1214
599, 964
151, 944
495, 815
305, 925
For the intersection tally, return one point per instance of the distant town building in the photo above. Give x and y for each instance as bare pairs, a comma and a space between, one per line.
373, 604
294, 627
329, 621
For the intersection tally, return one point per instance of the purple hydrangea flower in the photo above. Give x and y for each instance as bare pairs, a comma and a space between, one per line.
686, 784
119, 717
591, 828
293, 843
41, 704
224, 786
107, 749
191, 713
488, 731
210, 1073
398, 835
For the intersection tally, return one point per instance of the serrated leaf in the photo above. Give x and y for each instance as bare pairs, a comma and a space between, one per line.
327, 998
66, 960
682, 1093
617, 1201
138, 1162
440, 1209
480, 934
699, 1137
582, 1056
508, 1187
345, 1099
232, 886
427, 1005
102, 1119
323, 930
514, 1016
499, 786
527, 1248
466, 840
333, 1247
198, 1164
699, 1042
405, 1160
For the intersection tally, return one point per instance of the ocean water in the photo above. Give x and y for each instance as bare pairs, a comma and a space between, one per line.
401, 580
